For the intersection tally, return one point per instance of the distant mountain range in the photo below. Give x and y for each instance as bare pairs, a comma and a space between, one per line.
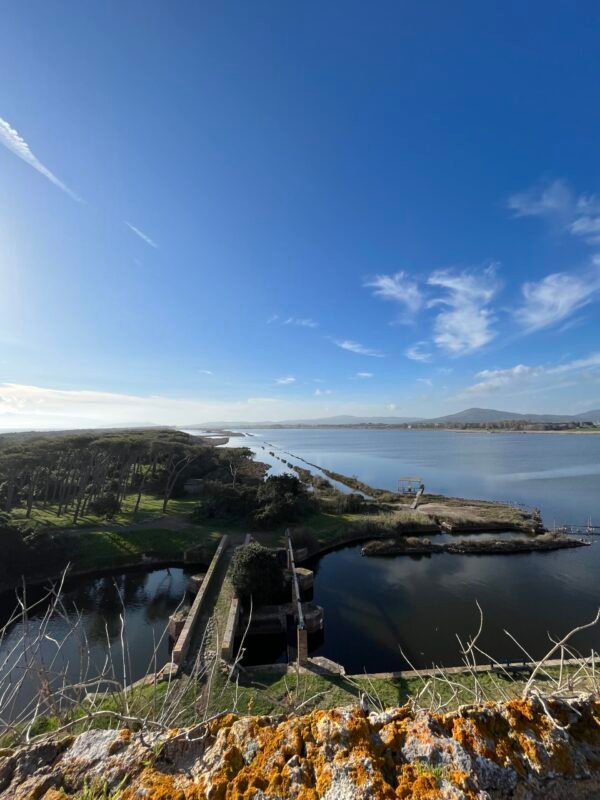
468, 416
341, 419
483, 415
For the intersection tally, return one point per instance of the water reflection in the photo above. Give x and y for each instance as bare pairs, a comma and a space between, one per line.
374, 607
90, 626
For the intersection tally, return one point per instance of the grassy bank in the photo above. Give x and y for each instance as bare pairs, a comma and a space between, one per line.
100, 549
150, 509
260, 691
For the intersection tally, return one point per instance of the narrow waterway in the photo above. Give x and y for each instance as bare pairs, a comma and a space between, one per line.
95, 614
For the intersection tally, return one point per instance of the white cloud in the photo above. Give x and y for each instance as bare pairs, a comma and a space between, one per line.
363, 375
522, 376
142, 235
356, 347
418, 352
553, 200
586, 226
321, 392
25, 406
206, 372
11, 139
466, 323
463, 330
286, 380
298, 322
426, 381
579, 215
556, 297
392, 406
301, 322
400, 288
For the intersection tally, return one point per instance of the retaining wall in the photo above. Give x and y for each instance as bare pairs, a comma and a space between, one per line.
182, 645
230, 630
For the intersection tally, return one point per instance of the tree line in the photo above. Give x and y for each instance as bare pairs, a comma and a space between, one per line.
93, 472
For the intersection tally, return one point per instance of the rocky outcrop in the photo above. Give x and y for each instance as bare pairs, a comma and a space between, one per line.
523, 749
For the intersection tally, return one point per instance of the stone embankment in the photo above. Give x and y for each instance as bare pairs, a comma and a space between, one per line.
523, 749
411, 545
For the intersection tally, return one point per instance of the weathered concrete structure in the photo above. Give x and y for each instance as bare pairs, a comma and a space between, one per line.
227, 648
182, 645
273, 619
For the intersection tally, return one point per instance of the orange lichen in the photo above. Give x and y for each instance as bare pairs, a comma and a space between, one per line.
413, 785
395, 756
154, 785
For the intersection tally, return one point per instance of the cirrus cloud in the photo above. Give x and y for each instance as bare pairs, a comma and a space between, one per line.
359, 349
143, 236
400, 288
555, 298
578, 215
14, 142
418, 352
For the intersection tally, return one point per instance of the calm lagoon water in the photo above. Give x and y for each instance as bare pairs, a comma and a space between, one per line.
559, 473
375, 606
91, 626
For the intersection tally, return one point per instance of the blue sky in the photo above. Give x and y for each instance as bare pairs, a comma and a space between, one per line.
272, 210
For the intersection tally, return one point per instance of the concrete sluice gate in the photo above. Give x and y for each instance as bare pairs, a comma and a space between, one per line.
274, 619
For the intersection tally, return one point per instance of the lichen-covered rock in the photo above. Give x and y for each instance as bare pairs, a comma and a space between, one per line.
523, 749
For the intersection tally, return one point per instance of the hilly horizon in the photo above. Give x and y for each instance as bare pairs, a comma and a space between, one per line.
473, 415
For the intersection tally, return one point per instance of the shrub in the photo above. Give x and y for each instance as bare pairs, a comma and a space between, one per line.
220, 501
352, 503
282, 498
106, 505
257, 573
387, 497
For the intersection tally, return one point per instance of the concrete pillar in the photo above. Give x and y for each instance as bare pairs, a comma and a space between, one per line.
302, 646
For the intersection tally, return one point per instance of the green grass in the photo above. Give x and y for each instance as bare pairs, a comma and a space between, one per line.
150, 509
268, 692
333, 528
103, 545
107, 548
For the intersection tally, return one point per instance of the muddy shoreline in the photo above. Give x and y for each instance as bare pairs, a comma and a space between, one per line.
413, 546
